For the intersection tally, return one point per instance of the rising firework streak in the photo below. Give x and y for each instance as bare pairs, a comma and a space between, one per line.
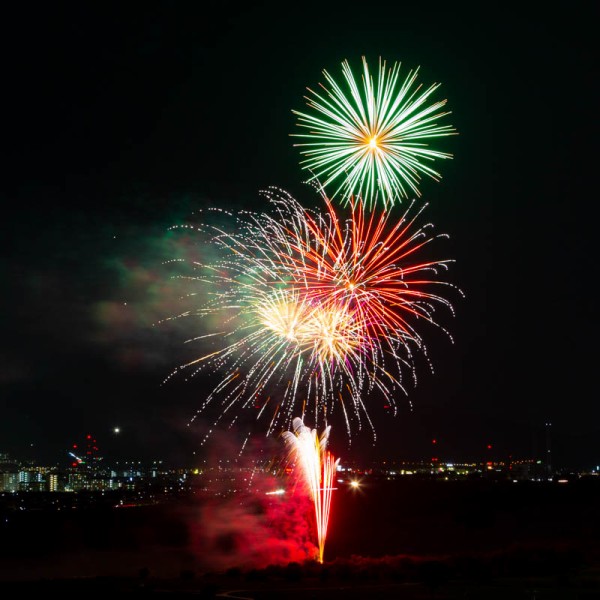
318, 468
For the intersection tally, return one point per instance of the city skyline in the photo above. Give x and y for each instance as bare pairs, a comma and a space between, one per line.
542, 450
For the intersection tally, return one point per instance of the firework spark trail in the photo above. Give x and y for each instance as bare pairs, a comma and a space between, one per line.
372, 141
318, 469
365, 265
328, 307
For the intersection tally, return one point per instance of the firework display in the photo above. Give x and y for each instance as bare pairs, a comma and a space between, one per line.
318, 467
318, 308
372, 140
316, 311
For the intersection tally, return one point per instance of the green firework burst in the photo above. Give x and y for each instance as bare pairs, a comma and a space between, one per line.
372, 140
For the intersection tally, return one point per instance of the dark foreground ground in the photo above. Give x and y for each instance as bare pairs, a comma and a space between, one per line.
403, 539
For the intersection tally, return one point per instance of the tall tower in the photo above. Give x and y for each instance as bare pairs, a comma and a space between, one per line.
548, 460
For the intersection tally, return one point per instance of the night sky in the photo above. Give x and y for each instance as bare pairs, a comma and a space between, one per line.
119, 123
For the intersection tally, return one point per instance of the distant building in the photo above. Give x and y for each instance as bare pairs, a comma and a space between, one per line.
76, 482
33, 480
52, 482
9, 482
4, 460
9, 474
522, 470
